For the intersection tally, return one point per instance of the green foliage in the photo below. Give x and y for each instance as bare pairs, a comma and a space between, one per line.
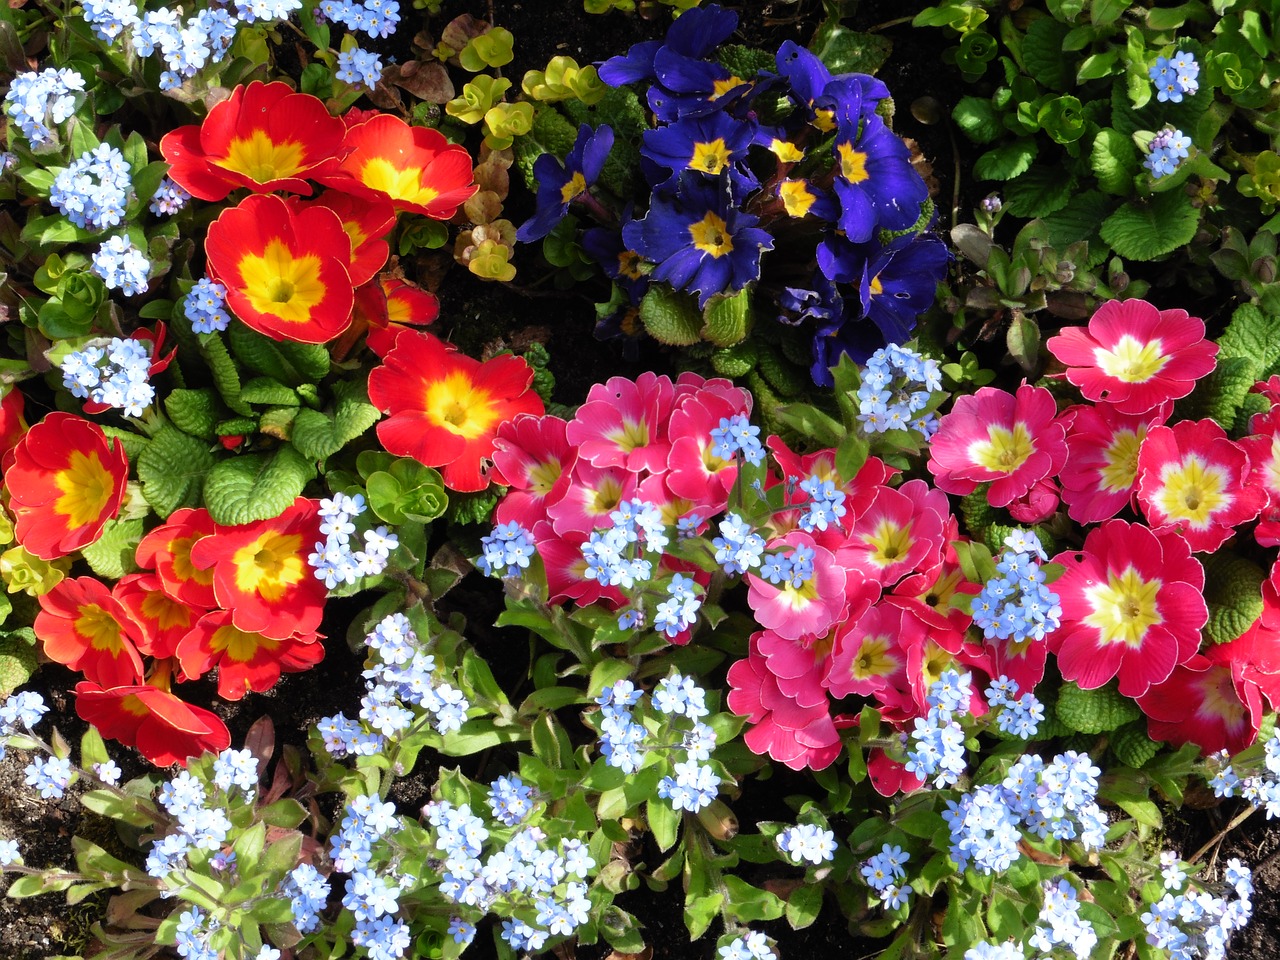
172, 469
1233, 592
256, 486
1094, 711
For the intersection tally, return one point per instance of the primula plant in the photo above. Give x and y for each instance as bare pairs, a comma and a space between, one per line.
465, 494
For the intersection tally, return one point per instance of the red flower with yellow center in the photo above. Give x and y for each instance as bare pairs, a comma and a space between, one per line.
446, 407
245, 661
366, 222
260, 572
265, 136
167, 550
286, 272
163, 620
165, 730
415, 168
82, 626
65, 482
387, 308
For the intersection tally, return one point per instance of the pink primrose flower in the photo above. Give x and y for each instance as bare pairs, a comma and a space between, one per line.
799, 607
1192, 481
592, 494
899, 533
1134, 356
623, 423
871, 651
1206, 701
1132, 607
534, 458
1008, 440
1101, 471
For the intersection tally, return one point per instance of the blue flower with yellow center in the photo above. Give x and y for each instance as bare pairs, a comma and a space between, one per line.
709, 145
877, 187
698, 240
560, 185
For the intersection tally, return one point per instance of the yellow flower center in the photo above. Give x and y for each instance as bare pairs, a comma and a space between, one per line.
100, 629
711, 235
710, 157
86, 487
280, 284
825, 120
874, 659
629, 265
1219, 700
1124, 608
262, 159
237, 645
889, 543
1004, 450
403, 184
796, 196
1121, 467
799, 598
1192, 490
605, 498
576, 186
786, 151
270, 565
165, 612
720, 87
853, 163
183, 568
1131, 360
632, 435
459, 406
543, 476
875, 286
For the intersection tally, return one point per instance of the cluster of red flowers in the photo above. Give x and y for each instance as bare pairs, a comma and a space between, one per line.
241, 599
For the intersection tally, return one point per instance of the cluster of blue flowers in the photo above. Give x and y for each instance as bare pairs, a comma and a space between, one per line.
507, 551
1195, 924
738, 548
168, 199
93, 191
1060, 924
205, 306
753, 946
186, 45
114, 373
807, 842
737, 435
1057, 799
21, 709
357, 66
937, 739
536, 882
202, 823
401, 673
377, 18
613, 555
825, 505
1019, 715
624, 741
884, 873
897, 385
307, 891
793, 568
50, 775
1016, 605
1261, 789
1168, 148
37, 102
679, 611
334, 561
122, 266
1175, 76
371, 896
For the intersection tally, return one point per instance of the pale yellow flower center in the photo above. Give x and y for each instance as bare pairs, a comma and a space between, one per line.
1124, 608
1131, 360
1192, 491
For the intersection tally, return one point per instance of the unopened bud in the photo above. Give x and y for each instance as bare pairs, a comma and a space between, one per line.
719, 820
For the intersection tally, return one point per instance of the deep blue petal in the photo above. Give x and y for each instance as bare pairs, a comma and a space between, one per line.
634, 66
697, 32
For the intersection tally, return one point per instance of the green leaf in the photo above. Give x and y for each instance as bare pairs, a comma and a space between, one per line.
1146, 231
978, 118
288, 362
804, 905
1114, 160
226, 377
17, 663
671, 317
749, 903
1042, 53
112, 554
407, 490
172, 469
1221, 393
54, 229
256, 486
110, 804
1039, 192
1253, 335
319, 436
1006, 161
664, 823
849, 51
727, 320
265, 390
1233, 593
194, 411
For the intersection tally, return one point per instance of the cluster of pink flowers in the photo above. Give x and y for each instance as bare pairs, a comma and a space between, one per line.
883, 608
